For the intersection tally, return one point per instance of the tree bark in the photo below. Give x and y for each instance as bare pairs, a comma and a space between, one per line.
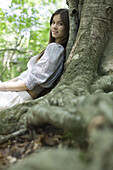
74, 23
106, 62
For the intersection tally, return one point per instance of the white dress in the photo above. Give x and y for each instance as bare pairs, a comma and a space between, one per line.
38, 76
10, 98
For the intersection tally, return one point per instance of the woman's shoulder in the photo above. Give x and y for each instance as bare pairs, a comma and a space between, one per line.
54, 45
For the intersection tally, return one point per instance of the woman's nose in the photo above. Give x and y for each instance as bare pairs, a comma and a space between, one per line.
55, 26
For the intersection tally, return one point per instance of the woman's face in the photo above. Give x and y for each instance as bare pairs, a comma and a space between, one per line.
57, 28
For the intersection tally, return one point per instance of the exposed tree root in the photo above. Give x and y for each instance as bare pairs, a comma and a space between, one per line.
104, 83
57, 116
76, 118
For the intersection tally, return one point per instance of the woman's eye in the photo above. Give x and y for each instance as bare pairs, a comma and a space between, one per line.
53, 22
60, 23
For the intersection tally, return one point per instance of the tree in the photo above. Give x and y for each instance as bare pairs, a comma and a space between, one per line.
82, 100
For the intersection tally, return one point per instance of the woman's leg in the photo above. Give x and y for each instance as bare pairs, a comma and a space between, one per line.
10, 98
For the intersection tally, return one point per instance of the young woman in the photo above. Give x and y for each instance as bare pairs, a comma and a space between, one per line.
43, 69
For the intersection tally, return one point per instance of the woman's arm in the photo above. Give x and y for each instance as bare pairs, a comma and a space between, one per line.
13, 80
13, 86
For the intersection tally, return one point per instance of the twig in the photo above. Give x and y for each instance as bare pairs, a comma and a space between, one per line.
4, 138
12, 49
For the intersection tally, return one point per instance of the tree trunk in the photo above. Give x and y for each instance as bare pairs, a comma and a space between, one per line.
74, 23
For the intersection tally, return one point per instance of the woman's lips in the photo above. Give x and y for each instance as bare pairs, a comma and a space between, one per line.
54, 32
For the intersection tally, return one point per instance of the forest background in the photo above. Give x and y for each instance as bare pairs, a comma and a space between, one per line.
24, 32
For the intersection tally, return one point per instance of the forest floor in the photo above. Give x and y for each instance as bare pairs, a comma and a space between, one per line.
34, 140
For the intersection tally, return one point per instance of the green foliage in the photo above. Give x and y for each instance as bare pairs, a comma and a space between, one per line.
24, 32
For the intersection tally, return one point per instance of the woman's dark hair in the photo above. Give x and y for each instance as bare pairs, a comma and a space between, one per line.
64, 14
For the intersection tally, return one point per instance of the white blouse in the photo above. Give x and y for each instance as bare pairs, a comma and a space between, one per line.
43, 73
